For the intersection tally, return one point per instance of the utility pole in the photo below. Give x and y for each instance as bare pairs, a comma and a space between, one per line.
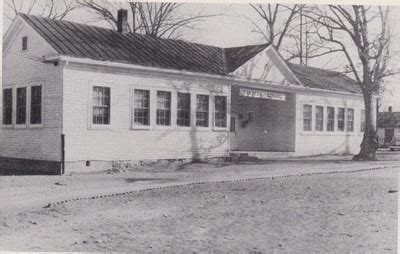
301, 36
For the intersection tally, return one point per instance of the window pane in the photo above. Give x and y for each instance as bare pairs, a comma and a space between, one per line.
36, 104
220, 111
101, 105
350, 119
24, 43
163, 108
307, 117
141, 107
21, 105
7, 106
319, 118
202, 110
340, 119
183, 117
331, 119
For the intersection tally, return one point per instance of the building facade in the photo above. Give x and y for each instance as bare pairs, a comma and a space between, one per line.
77, 98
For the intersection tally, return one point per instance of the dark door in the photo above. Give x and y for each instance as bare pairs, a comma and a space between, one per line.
389, 133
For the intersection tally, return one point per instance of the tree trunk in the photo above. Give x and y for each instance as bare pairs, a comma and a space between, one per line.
370, 142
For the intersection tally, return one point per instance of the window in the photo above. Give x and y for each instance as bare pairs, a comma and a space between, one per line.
101, 105
24, 43
202, 110
7, 106
21, 105
319, 118
350, 119
36, 104
220, 111
331, 119
183, 117
362, 121
307, 116
340, 119
163, 108
142, 107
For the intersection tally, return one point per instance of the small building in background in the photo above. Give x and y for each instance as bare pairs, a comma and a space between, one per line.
388, 125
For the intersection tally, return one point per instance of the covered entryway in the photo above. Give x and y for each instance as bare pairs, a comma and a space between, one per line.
263, 120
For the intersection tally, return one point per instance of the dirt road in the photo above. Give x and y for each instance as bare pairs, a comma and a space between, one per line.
332, 213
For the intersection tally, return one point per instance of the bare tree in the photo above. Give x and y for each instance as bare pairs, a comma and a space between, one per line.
287, 29
54, 9
276, 28
362, 34
158, 19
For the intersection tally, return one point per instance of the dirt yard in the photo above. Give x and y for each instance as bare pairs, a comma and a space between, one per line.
332, 213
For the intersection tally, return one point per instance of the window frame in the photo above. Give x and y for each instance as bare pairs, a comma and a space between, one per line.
41, 106
25, 124
156, 108
91, 125
328, 119
7, 125
135, 126
24, 43
348, 120
189, 94
28, 87
196, 111
97, 125
317, 118
339, 109
215, 112
310, 118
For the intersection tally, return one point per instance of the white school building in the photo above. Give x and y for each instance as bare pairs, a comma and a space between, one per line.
77, 98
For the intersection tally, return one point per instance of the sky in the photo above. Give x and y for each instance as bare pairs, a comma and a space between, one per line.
233, 26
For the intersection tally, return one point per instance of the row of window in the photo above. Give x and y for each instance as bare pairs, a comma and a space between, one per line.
21, 114
344, 119
141, 108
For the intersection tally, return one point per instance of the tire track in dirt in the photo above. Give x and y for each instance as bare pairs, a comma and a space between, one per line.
179, 185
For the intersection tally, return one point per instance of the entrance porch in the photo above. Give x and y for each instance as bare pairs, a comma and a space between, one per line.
262, 120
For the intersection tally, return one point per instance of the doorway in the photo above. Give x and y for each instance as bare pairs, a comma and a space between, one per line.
233, 132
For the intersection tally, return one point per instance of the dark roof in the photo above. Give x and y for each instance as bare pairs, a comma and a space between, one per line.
388, 119
84, 41
323, 79
236, 57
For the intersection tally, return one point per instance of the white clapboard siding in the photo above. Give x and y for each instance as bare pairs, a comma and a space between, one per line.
22, 68
324, 142
118, 141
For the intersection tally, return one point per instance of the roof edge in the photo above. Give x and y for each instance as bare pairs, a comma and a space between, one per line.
229, 79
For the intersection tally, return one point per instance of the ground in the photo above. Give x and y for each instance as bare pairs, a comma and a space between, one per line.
300, 206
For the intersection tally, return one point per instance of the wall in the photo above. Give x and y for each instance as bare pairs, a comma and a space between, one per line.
22, 68
119, 141
315, 142
273, 128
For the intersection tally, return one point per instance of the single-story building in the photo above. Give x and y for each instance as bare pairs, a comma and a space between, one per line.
388, 126
77, 97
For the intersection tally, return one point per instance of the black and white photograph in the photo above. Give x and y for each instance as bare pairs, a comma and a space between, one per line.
207, 127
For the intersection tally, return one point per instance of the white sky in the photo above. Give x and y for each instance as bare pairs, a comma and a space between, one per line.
233, 28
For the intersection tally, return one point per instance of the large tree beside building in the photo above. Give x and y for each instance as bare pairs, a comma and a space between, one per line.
363, 35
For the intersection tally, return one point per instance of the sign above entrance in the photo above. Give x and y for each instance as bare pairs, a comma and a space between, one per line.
262, 94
